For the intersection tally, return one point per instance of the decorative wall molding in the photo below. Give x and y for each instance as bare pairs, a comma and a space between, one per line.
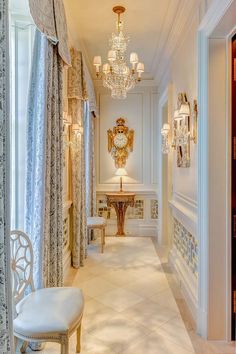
141, 170
183, 16
184, 209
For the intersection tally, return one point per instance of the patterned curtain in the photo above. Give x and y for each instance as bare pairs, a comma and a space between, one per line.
76, 96
43, 208
90, 165
6, 332
53, 211
50, 18
90, 161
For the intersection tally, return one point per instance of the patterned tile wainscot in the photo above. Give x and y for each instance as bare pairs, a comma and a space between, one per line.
154, 209
136, 212
187, 245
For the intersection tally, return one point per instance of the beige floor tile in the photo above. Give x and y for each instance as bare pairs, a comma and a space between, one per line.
99, 269
149, 285
165, 298
150, 314
82, 276
119, 299
96, 286
92, 345
95, 313
118, 332
129, 304
121, 277
175, 334
156, 344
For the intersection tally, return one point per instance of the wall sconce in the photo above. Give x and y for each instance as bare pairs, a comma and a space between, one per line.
71, 133
165, 147
181, 132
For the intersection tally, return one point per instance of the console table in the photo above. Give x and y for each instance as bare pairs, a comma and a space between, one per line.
120, 201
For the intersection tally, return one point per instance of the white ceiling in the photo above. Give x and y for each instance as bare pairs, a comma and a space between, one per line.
151, 24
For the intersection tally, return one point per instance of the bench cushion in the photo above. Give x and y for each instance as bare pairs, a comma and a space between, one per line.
96, 221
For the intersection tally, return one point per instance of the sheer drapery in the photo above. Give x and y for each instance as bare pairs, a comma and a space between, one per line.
36, 127
43, 217
6, 333
76, 95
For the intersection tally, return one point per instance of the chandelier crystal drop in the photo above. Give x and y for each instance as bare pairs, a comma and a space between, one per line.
116, 74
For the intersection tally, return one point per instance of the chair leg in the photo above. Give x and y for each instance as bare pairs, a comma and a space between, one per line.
65, 347
104, 236
24, 347
78, 346
102, 241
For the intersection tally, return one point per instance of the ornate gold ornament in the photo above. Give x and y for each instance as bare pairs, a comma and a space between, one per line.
120, 142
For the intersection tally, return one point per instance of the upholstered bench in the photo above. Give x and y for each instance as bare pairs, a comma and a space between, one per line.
98, 222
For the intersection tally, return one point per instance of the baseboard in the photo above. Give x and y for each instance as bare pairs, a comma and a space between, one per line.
187, 281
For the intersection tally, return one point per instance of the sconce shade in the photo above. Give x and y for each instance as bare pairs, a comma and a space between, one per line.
97, 61
121, 172
112, 55
177, 115
166, 127
184, 109
133, 58
106, 68
140, 68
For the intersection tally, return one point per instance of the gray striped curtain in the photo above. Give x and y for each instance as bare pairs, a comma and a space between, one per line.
6, 332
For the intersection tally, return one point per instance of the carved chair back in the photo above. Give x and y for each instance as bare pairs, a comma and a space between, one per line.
21, 264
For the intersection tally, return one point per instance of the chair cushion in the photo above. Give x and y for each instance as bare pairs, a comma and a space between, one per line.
96, 221
48, 311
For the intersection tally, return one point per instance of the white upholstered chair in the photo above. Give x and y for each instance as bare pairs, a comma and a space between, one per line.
98, 222
45, 315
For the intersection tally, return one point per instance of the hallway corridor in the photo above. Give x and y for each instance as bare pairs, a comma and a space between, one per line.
129, 306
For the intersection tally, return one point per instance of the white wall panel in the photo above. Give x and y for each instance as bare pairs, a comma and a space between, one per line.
132, 110
140, 112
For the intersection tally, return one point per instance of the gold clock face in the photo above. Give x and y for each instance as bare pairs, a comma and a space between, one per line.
120, 140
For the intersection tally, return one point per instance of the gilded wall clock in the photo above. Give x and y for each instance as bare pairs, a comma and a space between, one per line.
120, 142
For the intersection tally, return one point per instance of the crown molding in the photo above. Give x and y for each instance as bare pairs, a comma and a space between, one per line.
183, 18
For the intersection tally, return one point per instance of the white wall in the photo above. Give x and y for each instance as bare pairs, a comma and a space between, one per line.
140, 112
181, 73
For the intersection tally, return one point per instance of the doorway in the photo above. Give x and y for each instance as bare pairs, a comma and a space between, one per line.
214, 172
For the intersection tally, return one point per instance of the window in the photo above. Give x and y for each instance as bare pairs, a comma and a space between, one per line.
21, 38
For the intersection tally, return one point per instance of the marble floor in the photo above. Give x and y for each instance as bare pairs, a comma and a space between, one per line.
133, 304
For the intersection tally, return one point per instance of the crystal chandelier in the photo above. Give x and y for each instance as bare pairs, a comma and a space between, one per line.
116, 74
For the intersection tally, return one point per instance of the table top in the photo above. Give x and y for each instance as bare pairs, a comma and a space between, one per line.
120, 194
